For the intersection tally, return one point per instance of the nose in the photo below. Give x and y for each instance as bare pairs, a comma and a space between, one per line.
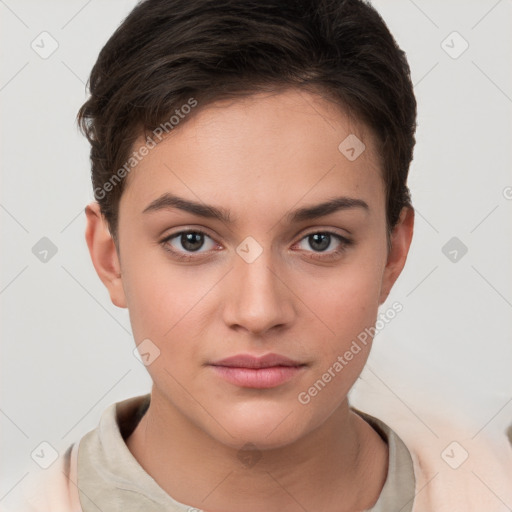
259, 298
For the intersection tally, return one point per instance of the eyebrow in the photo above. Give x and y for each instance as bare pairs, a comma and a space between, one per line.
169, 201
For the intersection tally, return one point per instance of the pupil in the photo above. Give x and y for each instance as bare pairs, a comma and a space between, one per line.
192, 241
323, 243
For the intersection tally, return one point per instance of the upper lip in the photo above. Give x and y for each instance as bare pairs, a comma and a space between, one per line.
249, 361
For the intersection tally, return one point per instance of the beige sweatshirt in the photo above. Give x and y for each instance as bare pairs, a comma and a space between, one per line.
451, 472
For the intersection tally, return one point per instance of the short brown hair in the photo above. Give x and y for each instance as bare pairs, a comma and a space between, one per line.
167, 52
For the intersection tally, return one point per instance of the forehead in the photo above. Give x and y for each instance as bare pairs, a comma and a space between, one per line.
291, 144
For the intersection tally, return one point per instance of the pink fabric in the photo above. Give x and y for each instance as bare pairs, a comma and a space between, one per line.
481, 483
54, 489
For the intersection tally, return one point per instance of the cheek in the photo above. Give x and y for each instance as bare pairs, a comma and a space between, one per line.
345, 301
169, 306
344, 307
157, 299
345, 311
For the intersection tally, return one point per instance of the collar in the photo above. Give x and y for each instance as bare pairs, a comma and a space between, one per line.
110, 477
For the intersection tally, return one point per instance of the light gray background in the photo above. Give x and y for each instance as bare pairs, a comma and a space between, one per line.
67, 351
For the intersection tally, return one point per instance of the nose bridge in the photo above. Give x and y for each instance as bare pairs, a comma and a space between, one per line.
258, 300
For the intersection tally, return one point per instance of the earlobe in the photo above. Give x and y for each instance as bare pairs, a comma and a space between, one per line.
104, 254
401, 239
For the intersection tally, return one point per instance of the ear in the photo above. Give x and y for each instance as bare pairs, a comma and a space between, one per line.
104, 254
401, 238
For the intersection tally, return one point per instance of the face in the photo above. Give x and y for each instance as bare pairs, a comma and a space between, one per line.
247, 261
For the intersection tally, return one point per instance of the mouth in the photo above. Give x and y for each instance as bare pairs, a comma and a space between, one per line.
245, 370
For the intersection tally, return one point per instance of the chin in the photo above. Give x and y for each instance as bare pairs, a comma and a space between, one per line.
266, 430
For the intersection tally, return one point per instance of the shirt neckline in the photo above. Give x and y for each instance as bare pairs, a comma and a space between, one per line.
109, 473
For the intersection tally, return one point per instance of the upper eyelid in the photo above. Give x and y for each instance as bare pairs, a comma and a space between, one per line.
188, 230
342, 239
330, 231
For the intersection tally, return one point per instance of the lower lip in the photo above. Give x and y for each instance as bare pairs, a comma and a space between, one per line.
258, 377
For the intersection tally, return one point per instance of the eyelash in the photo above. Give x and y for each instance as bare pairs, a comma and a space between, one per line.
345, 243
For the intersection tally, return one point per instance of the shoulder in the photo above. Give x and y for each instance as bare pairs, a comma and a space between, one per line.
56, 488
458, 469
50, 490
455, 468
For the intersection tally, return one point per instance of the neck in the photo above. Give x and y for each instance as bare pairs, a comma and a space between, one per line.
339, 466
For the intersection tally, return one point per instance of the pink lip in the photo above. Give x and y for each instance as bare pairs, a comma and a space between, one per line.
257, 372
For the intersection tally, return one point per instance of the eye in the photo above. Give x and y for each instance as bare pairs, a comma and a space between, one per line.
187, 245
184, 244
321, 241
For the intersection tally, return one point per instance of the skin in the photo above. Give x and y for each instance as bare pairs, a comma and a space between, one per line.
259, 157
